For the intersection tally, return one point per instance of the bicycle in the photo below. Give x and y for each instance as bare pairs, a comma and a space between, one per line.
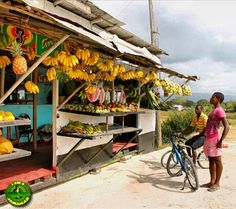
202, 160
179, 161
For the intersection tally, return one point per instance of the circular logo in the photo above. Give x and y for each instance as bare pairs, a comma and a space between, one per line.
18, 193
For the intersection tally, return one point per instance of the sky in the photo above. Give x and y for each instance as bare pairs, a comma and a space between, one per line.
199, 36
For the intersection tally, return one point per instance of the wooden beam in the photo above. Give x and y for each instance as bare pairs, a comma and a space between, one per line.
112, 27
56, 2
69, 97
97, 20
76, 4
32, 68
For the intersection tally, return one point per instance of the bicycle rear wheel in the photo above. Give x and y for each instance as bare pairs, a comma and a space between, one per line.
173, 167
164, 158
191, 173
202, 160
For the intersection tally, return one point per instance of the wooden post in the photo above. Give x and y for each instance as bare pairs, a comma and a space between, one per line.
2, 82
154, 40
35, 99
55, 97
31, 69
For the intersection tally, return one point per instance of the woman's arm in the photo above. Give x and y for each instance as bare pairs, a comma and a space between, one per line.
224, 133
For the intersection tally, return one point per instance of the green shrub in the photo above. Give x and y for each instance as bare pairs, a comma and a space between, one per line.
177, 121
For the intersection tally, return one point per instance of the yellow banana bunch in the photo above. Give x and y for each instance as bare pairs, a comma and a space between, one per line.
127, 75
92, 59
186, 90
51, 61
144, 80
75, 73
91, 77
121, 69
67, 60
157, 82
30, 53
31, 87
138, 74
51, 74
106, 66
4, 61
90, 89
82, 54
105, 76
152, 76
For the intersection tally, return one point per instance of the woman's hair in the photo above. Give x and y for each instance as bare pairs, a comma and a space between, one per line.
219, 96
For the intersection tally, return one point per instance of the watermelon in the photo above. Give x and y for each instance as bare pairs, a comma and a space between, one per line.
93, 97
122, 98
101, 96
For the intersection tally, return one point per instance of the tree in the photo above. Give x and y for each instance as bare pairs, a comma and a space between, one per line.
203, 102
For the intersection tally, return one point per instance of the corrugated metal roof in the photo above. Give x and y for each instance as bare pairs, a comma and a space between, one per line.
109, 23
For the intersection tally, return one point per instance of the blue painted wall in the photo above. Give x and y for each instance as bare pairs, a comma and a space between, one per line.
44, 114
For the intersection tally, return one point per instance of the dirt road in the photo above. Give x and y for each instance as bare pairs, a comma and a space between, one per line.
140, 182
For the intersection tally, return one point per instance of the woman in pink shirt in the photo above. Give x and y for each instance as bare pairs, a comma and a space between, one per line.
213, 143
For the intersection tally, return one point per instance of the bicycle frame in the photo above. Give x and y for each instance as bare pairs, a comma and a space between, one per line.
178, 154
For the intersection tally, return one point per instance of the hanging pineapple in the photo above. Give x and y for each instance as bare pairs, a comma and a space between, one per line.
19, 64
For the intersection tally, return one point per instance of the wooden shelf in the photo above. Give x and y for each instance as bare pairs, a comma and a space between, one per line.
103, 114
18, 122
17, 153
93, 136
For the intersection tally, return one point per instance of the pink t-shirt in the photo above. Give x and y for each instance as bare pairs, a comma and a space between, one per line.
213, 122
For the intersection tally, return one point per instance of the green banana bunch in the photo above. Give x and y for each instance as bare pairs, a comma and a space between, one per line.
62, 76
152, 98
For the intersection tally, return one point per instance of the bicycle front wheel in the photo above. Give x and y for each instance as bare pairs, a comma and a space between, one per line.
173, 167
191, 173
164, 158
202, 160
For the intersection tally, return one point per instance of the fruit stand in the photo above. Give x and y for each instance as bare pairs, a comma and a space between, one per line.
100, 115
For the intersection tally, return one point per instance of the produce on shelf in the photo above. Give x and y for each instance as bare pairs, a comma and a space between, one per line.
51, 74
19, 64
4, 61
6, 146
81, 128
6, 116
31, 87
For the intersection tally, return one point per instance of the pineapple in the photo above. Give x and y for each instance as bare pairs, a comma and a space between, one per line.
19, 64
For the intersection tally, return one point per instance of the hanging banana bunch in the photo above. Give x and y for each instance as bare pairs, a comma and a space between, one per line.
4, 61
67, 59
31, 87
51, 74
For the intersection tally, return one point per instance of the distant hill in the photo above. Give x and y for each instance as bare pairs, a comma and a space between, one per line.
197, 96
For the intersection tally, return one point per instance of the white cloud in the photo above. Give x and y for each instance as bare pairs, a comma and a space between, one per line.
200, 37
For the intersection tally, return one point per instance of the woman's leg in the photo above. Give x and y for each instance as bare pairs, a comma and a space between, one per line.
219, 169
212, 169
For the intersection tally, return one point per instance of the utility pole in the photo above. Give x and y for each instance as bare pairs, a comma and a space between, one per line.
154, 42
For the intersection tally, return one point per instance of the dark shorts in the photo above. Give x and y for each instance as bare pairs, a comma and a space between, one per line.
196, 141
